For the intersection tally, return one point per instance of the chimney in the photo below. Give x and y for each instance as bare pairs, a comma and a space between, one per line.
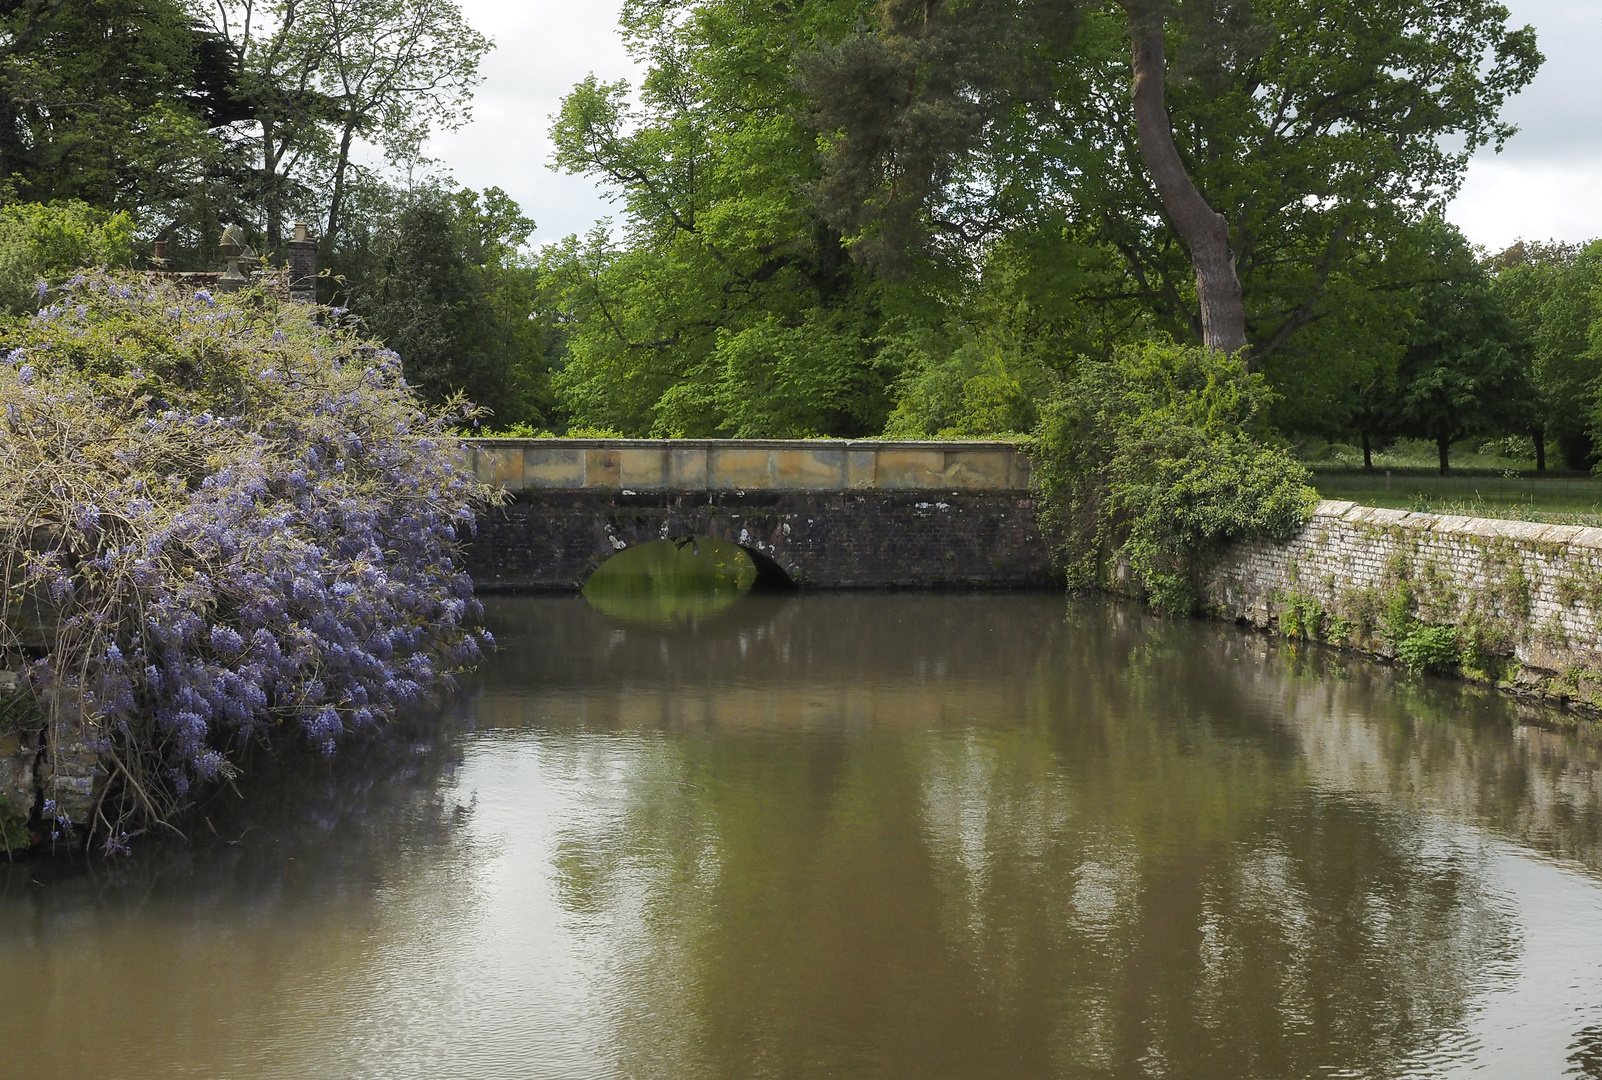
159, 260
303, 265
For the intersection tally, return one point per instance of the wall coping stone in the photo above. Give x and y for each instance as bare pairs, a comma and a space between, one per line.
1529, 532
696, 465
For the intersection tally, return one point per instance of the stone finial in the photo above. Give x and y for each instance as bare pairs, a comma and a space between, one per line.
232, 247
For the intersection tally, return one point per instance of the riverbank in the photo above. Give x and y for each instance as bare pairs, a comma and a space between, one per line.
1513, 603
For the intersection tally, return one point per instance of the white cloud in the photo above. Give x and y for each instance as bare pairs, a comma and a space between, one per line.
1547, 183
1504, 201
543, 47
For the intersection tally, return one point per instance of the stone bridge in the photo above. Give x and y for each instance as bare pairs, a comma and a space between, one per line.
819, 514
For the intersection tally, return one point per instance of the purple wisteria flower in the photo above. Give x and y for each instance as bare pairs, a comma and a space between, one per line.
269, 541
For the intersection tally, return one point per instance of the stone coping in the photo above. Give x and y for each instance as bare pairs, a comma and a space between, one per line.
753, 444
749, 465
1527, 532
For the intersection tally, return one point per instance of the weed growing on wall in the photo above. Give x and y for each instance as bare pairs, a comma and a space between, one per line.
230, 521
1156, 459
1424, 647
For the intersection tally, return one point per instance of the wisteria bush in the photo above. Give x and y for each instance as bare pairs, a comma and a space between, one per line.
233, 522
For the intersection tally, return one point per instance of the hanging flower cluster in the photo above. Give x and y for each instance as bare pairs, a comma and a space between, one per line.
230, 518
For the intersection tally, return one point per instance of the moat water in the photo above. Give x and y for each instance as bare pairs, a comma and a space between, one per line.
921, 836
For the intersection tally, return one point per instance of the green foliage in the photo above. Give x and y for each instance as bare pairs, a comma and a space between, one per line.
1322, 132
108, 101
1157, 458
1301, 615
50, 242
972, 390
1430, 648
1551, 293
1466, 369
447, 286
726, 306
529, 431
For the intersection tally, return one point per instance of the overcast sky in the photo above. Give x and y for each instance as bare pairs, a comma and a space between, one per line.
1547, 183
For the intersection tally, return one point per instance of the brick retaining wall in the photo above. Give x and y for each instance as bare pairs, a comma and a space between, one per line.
1533, 591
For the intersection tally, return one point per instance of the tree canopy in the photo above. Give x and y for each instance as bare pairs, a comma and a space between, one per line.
847, 218
857, 194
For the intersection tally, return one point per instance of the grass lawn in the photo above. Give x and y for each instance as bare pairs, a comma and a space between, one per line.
1566, 500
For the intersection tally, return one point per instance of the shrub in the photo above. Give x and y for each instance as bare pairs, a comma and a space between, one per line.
237, 523
1157, 458
47, 242
1430, 648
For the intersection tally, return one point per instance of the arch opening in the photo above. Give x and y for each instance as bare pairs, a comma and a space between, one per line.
680, 580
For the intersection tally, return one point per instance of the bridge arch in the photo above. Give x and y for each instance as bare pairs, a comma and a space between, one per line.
768, 574
811, 515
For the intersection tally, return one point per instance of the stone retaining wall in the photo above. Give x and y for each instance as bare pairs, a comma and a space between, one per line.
1527, 593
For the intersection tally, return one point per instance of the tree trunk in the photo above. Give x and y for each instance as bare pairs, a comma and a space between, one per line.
269, 193
1368, 454
1539, 435
1443, 446
1203, 230
334, 205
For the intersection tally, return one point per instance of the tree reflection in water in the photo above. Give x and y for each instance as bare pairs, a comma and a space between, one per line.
1102, 854
878, 836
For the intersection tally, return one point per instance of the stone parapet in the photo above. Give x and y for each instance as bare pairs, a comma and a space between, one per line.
690, 465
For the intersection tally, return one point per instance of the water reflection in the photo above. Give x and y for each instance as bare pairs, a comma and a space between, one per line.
882, 836
671, 582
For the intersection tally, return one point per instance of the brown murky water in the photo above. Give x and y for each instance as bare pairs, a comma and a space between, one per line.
858, 836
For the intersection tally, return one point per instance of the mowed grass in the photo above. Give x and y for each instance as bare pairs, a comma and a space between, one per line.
1563, 500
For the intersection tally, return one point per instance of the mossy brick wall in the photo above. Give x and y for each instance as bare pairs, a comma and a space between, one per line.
1533, 591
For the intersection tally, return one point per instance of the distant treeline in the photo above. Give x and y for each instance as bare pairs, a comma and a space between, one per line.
842, 217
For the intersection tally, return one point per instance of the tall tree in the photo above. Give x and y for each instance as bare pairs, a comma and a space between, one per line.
107, 101
725, 304
1203, 230
1551, 291
396, 70
1317, 130
449, 287
1466, 370
317, 74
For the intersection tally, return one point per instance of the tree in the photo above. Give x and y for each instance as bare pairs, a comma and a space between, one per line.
314, 75
446, 285
726, 305
1318, 131
1203, 230
1550, 292
397, 68
1466, 369
107, 101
